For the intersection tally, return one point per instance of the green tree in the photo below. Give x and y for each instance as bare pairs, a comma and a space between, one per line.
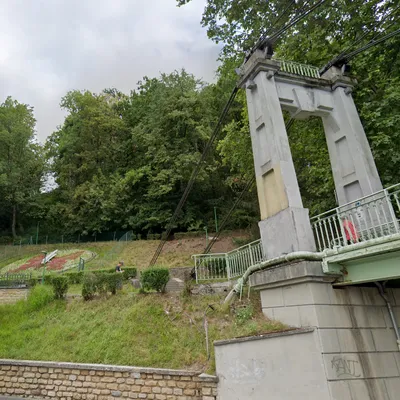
335, 26
22, 163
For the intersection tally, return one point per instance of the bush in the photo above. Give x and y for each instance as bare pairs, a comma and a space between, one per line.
244, 314
39, 296
113, 282
47, 279
155, 279
129, 273
74, 278
89, 286
100, 283
60, 286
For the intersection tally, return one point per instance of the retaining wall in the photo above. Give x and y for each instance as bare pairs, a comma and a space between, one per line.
353, 330
12, 295
69, 381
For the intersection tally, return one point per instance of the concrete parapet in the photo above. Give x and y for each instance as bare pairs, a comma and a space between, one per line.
353, 330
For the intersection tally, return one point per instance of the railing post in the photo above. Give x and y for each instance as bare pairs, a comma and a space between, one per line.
392, 213
228, 268
251, 256
195, 269
341, 227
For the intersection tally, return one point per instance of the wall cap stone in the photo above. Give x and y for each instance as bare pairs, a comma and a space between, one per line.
22, 286
102, 367
208, 378
288, 332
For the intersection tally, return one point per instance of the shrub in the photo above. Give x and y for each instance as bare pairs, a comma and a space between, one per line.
100, 283
113, 282
244, 314
75, 278
33, 282
39, 296
47, 279
155, 279
89, 286
129, 273
60, 286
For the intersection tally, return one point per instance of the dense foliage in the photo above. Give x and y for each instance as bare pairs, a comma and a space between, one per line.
122, 162
22, 167
60, 286
155, 278
334, 27
100, 284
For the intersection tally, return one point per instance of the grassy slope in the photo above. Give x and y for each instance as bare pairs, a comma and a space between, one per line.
135, 253
126, 329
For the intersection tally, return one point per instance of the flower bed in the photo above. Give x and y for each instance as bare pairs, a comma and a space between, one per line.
65, 259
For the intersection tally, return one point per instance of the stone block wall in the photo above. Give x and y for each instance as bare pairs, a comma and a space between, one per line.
354, 333
69, 381
12, 295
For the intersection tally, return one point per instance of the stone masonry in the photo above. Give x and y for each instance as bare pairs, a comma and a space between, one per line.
353, 330
68, 381
12, 295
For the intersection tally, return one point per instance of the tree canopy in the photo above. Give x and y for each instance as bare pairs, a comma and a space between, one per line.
122, 161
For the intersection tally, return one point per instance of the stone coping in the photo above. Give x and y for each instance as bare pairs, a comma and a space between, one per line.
289, 332
14, 287
105, 367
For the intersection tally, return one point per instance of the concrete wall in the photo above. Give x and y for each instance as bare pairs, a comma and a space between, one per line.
353, 330
68, 381
12, 295
283, 366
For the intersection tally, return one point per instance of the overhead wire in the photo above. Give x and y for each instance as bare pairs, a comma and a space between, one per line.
195, 172
343, 56
194, 175
265, 39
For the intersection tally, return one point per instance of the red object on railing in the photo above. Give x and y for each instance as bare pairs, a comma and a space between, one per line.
350, 231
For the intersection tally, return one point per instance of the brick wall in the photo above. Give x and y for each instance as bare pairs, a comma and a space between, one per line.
68, 381
12, 295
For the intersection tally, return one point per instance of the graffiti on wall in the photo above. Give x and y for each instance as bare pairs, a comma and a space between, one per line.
247, 371
345, 367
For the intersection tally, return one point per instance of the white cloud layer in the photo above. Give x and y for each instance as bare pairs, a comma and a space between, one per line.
48, 47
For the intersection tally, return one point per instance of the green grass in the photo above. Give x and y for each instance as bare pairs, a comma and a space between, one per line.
176, 253
149, 330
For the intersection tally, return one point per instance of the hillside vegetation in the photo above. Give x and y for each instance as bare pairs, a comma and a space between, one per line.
176, 253
149, 330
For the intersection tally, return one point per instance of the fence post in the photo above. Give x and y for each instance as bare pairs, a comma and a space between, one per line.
228, 268
251, 256
195, 268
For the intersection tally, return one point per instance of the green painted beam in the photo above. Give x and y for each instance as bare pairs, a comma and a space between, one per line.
371, 264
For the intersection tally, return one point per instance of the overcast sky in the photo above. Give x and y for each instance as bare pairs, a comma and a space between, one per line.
48, 47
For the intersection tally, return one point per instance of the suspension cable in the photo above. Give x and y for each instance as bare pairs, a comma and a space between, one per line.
347, 57
274, 37
343, 57
194, 176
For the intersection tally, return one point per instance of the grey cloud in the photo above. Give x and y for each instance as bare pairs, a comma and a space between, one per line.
48, 47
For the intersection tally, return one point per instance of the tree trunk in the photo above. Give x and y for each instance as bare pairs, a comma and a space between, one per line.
14, 222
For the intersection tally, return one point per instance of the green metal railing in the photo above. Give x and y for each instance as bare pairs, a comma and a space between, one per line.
299, 69
215, 266
7, 280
